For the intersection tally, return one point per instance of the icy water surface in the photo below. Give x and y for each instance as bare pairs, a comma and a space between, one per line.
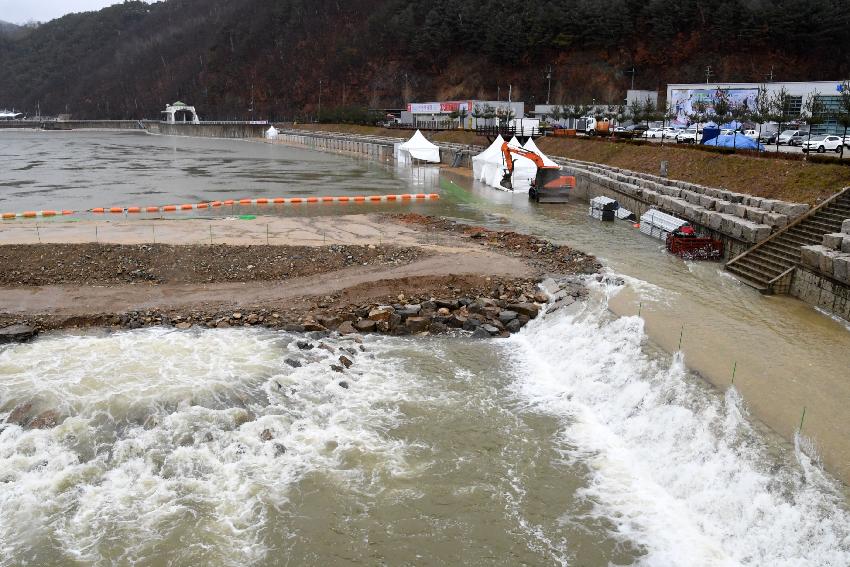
83, 170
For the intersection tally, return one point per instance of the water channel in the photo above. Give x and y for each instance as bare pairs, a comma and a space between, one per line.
580, 441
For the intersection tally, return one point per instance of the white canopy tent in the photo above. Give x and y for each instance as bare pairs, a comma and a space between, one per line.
419, 148
488, 166
272, 133
532, 147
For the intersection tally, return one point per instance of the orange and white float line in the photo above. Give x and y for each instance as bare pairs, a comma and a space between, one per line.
34, 214
261, 201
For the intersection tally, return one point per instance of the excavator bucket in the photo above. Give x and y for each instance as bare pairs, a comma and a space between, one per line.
507, 182
552, 186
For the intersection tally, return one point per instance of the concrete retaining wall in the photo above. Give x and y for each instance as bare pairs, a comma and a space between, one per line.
821, 291
74, 125
207, 130
376, 150
638, 200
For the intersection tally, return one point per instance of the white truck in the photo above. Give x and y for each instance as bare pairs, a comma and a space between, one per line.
593, 127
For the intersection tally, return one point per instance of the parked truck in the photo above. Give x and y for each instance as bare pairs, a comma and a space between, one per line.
593, 127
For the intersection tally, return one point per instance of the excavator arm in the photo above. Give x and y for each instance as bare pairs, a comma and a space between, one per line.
549, 186
508, 150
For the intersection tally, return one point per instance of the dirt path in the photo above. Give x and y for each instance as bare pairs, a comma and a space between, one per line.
71, 300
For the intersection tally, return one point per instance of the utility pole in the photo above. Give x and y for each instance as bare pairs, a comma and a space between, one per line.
319, 115
632, 73
770, 76
707, 74
510, 87
549, 88
251, 108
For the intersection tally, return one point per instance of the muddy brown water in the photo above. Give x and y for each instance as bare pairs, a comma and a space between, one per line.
580, 441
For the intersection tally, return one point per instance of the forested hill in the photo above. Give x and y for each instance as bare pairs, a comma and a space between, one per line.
127, 61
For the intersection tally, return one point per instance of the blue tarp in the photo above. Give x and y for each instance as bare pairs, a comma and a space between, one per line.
738, 141
709, 133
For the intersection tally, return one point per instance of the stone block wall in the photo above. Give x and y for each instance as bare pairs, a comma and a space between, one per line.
743, 218
831, 258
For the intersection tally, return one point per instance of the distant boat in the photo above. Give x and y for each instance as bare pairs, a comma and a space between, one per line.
7, 115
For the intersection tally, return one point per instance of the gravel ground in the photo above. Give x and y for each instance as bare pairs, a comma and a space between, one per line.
100, 264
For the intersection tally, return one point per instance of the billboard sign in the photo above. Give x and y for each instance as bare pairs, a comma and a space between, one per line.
683, 101
437, 107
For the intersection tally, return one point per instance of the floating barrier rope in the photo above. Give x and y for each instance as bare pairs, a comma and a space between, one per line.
262, 201
231, 203
34, 214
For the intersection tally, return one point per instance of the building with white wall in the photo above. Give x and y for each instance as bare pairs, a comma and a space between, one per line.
442, 114
682, 98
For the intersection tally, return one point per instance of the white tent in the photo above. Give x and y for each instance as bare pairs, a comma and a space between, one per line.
272, 133
418, 147
524, 169
532, 147
488, 166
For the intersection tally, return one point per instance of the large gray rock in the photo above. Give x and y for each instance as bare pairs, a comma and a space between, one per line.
810, 256
827, 260
417, 324
845, 227
527, 309
833, 241
381, 313
365, 326
17, 334
841, 268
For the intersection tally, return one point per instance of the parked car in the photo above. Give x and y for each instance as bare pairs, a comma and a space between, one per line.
687, 136
786, 135
847, 140
727, 132
768, 138
653, 133
633, 131
823, 143
752, 134
798, 138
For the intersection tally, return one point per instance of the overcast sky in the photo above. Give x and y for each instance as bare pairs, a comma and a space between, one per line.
23, 11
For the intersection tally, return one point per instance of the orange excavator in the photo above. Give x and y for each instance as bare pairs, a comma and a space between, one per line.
549, 186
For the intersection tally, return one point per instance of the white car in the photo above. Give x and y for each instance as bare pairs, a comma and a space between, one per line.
727, 132
752, 134
653, 133
823, 143
688, 136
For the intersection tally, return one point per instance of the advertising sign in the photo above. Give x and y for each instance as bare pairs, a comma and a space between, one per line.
684, 100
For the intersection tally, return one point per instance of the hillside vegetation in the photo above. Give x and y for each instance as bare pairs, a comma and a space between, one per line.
128, 60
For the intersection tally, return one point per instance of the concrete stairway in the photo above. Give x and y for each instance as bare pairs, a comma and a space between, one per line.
768, 265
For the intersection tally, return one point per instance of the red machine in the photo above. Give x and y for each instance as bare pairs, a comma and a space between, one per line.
694, 248
550, 185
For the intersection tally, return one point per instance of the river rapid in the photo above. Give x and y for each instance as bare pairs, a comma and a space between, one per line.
579, 441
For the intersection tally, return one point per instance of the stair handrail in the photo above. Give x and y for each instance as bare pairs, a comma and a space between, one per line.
802, 218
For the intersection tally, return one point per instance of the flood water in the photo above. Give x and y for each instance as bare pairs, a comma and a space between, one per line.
580, 441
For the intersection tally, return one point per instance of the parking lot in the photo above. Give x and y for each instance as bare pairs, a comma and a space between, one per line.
770, 148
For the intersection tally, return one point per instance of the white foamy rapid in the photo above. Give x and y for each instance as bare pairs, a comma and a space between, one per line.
178, 443
674, 466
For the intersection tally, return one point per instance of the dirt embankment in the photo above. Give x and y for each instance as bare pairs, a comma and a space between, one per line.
466, 278
788, 180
